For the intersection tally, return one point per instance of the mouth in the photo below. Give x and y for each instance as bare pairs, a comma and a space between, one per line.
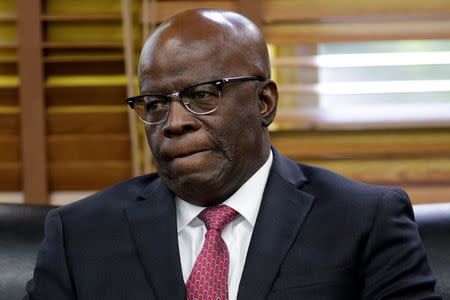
183, 154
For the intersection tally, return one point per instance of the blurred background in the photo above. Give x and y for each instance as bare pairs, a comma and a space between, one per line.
364, 91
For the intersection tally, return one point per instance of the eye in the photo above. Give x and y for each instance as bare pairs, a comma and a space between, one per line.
155, 104
201, 92
201, 95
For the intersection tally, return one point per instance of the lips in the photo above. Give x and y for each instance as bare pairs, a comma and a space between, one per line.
173, 152
188, 153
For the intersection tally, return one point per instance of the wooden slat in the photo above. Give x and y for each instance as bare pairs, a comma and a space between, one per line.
32, 101
9, 81
382, 143
398, 171
8, 59
167, 9
86, 80
289, 10
7, 16
10, 176
363, 60
421, 194
81, 17
371, 31
65, 148
84, 31
94, 44
10, 123
9, 97
252, 9
87, 175
358, 119
83, 58
93, 68
90, 95
128, 46
8, 31
8, 69
8, 44
87, 123
82, 6
9, 148
82, 52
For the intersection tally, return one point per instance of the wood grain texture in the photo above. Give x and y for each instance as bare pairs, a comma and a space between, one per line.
9, 149
92, 147
10, 176
421, 194
167, 9
91, 95
81, 175
292, 10
312, 33
398, 171
363, 144
9, 123
87, 122
32, 102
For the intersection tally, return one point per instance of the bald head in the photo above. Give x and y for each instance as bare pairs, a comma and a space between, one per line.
231, 43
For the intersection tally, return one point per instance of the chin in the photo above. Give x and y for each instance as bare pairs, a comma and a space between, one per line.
197, 187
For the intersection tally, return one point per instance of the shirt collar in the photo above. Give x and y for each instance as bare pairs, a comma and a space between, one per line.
246, 200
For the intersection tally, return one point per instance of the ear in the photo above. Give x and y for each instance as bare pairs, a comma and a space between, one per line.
268, 101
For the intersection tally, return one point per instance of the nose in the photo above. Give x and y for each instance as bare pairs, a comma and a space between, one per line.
179, 120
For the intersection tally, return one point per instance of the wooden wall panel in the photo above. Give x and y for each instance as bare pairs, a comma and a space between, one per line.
166, 9
10, 122
73, 122
32, 101
310, 21
10, 176
66, 148
357, 31
396, 171
9, 96
417, 160
87, 175
90, 95
363, 143
10, 148
87, 124
283, 11
428, 193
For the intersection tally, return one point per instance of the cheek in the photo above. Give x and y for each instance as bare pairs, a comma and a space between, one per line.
237, 136
153, 139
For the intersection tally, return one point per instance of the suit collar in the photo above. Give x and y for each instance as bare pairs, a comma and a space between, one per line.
153, 227
283, 209
288, 170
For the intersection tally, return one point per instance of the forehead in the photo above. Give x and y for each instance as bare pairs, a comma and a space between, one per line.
189, 61
191, 54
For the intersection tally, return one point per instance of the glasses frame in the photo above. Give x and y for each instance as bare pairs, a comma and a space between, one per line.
218, 83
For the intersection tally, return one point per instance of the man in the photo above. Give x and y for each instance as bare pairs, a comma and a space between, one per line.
287, 230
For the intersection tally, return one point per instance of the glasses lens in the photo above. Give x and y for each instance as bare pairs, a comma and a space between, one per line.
152, 109
201, 99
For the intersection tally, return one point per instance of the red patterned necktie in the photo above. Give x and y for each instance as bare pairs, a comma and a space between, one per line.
209, 277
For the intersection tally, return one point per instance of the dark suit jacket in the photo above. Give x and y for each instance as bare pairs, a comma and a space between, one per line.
318, 235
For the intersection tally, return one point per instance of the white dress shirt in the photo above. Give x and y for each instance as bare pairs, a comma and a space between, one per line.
237, 234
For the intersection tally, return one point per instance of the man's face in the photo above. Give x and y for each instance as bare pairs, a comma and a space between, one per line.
203, 158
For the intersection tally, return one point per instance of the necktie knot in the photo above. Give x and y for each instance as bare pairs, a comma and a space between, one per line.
217, 217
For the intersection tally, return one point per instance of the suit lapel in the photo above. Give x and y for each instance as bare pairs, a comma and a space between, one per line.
153, 226
282, 212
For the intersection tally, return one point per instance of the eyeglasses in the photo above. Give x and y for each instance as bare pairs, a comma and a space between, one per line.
200, 99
